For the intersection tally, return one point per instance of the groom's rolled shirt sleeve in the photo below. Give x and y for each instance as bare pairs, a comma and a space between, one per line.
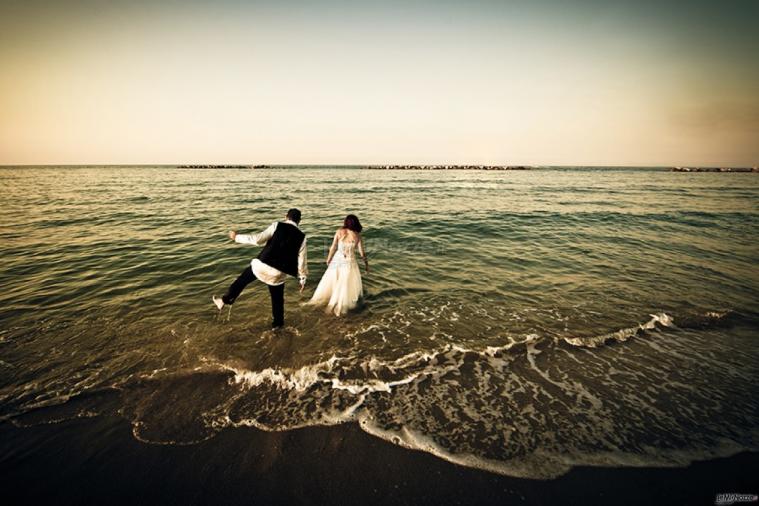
257, 239
302, 262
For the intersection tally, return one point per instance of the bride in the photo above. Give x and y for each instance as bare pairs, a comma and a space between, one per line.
340, 287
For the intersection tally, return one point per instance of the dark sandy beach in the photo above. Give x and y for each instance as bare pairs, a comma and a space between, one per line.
97, 461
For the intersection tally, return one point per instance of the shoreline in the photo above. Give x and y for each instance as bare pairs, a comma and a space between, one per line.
97, 460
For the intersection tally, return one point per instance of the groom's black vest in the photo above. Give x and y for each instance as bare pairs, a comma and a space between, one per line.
281, 251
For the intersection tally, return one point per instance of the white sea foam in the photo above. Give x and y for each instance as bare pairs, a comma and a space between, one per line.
532, 467
523, 407
416, 364
505, 419
621, 335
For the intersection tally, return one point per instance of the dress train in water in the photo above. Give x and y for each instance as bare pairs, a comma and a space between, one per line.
340, 287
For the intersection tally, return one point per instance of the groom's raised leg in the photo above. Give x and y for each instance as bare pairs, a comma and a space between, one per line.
277, 293
239, 284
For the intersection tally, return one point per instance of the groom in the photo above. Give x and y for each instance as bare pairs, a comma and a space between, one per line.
284, 253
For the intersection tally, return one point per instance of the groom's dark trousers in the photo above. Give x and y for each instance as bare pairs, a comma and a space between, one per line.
277, 293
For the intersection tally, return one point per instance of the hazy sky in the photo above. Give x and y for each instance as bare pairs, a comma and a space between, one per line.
521, 82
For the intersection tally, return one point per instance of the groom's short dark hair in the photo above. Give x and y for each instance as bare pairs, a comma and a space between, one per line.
294, 215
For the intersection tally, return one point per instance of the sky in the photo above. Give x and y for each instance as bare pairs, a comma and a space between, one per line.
535, 82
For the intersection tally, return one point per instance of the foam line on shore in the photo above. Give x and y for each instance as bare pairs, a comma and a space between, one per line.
545, 465
622, 335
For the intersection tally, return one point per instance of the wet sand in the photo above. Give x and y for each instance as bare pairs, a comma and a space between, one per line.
97, 461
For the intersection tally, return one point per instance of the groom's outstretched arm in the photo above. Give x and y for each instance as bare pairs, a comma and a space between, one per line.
256, 239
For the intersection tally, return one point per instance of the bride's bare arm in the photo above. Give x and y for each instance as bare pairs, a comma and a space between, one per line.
333, 248
362, 252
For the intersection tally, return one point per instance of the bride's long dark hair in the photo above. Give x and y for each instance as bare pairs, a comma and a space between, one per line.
351, 223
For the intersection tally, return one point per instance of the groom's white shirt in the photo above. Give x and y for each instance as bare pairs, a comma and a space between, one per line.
267, 273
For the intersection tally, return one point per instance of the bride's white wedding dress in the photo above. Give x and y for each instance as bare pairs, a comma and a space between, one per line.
340, 287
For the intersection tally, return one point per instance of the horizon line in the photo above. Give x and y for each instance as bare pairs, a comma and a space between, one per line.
272, 165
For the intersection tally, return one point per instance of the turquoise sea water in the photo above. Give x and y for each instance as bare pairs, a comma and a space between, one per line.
521, 322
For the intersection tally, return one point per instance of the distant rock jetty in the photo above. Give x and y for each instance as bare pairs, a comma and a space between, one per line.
213, 166
447, 167
376, 167
715, 169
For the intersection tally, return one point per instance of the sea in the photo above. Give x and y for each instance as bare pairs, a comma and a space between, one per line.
519, 322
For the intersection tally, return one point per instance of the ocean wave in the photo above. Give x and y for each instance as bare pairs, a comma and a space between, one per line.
510, 409
546, 465
622, 335
529, 407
